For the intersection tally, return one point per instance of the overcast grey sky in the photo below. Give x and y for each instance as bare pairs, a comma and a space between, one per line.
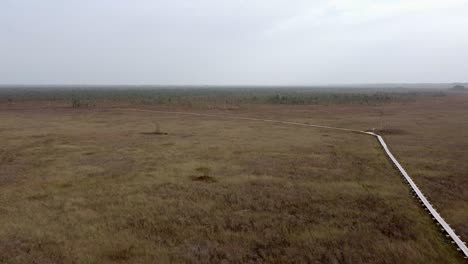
262, 42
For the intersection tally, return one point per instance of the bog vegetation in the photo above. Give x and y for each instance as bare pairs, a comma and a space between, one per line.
82, 181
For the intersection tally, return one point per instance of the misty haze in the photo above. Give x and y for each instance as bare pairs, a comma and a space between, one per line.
224, 131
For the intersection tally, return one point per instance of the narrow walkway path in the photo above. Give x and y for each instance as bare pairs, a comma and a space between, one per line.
450, 233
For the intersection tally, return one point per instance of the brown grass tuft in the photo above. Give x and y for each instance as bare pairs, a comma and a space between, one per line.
203, 178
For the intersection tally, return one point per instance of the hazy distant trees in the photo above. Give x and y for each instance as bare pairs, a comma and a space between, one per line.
458, 87
76, 103
220, 97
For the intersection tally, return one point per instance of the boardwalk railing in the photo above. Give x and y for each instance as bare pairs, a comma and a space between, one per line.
461, 246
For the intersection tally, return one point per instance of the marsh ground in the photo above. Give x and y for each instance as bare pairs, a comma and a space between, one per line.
95, 186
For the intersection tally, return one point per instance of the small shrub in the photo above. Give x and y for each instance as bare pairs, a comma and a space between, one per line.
205, 177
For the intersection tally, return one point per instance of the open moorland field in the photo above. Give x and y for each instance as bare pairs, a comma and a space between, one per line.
84, 178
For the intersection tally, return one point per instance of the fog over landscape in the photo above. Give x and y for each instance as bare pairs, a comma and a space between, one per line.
233, 42
234, 131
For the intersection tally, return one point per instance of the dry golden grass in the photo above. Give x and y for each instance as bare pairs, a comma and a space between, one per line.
429, 138
96, 186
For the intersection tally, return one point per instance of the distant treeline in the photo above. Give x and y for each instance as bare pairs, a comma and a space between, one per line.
88, 96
